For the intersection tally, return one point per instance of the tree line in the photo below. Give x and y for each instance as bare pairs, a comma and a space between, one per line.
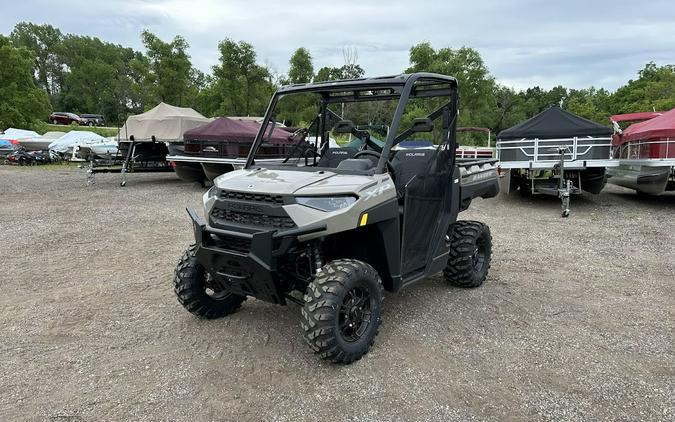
43, 69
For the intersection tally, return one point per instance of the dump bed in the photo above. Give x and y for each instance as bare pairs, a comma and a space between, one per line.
479, 179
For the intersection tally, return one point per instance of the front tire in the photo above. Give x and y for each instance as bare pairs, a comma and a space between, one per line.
343, 310
470, 254
197, 293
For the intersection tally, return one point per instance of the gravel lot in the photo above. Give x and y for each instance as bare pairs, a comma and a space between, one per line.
576, 321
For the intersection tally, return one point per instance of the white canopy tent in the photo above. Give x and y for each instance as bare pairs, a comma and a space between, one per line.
165, 122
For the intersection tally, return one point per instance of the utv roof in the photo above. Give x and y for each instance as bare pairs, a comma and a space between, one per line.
367, 83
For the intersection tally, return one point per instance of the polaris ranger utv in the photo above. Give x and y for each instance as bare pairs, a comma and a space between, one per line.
344, 216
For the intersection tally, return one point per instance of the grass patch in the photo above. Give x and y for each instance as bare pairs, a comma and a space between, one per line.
103, 131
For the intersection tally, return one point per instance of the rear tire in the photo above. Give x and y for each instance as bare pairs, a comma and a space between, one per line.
470, 254
343, 310
196, 294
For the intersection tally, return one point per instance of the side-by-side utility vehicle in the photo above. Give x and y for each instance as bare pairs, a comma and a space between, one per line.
347, 214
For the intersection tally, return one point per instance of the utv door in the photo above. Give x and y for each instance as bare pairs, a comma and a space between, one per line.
430, 206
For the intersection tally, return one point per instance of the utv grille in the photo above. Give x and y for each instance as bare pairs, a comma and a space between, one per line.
254, 197
249, 219
233, 243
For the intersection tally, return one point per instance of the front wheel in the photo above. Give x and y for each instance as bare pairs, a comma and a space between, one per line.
470, 254
343, 310
197, 292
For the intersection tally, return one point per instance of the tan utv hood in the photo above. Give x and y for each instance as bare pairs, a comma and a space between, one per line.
288, 182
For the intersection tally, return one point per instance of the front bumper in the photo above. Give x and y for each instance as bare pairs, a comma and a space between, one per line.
246, 263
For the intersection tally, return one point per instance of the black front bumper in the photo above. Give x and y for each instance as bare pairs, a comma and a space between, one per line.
248, 264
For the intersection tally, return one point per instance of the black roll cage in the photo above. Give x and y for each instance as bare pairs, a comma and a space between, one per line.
402, 87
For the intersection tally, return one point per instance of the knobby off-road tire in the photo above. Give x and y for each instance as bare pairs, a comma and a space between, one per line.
195, 293
470, 254
343, 310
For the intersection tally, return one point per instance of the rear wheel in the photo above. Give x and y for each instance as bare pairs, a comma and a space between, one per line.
343, 310
470, 254
197, 292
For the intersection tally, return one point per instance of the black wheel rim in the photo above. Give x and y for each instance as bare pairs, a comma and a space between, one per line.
212, 289
354, 314
479, 254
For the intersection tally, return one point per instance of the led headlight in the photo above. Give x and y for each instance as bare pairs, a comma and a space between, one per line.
210, 197
326, 203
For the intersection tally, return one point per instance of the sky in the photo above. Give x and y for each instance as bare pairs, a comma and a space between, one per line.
575, 43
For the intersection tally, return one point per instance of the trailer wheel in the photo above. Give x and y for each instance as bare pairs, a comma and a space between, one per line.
343, 310
470, 254
197, 294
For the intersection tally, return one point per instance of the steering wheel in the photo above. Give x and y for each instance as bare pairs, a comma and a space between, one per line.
377, 155
297, 137
312, 152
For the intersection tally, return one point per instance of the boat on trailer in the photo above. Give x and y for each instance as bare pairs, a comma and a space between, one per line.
555, 153
645, 152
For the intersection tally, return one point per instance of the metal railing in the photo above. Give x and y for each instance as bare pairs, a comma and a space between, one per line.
635, 150
545, 150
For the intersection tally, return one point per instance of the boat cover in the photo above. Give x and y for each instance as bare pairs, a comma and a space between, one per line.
555, 123
73, 137
659, 127
165, 122
18, 134
233, 130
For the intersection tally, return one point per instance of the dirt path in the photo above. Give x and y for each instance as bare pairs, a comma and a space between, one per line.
576, 321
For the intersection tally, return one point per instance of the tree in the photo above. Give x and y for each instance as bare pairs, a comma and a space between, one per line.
22, 104
45, 42
301, 70
170, 69
653, 90
241, 86
476, 85
348, 71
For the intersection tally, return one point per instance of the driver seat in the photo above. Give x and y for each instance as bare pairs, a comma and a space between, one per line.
334, 156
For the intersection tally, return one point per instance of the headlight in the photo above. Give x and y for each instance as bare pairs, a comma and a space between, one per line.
210, 195
326, 203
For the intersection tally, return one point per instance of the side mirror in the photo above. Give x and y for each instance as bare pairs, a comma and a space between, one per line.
423, 124
344, 126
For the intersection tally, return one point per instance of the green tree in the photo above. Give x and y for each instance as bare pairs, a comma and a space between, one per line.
103, 78
240, 86
22, 104
476, 85
45, 42
348, 71
590, 103
302, 69
654, 89
171, 73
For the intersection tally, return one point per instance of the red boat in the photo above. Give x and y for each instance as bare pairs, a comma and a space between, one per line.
645, 151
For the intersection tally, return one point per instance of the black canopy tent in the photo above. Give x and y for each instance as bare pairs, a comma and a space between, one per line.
585, 139
555, 123
555, 152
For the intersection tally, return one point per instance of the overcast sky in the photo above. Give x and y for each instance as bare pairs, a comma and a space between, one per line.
576, 43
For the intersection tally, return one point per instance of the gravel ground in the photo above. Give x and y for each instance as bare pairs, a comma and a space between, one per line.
575, 322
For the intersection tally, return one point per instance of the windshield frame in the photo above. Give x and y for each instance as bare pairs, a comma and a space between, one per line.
402, 88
